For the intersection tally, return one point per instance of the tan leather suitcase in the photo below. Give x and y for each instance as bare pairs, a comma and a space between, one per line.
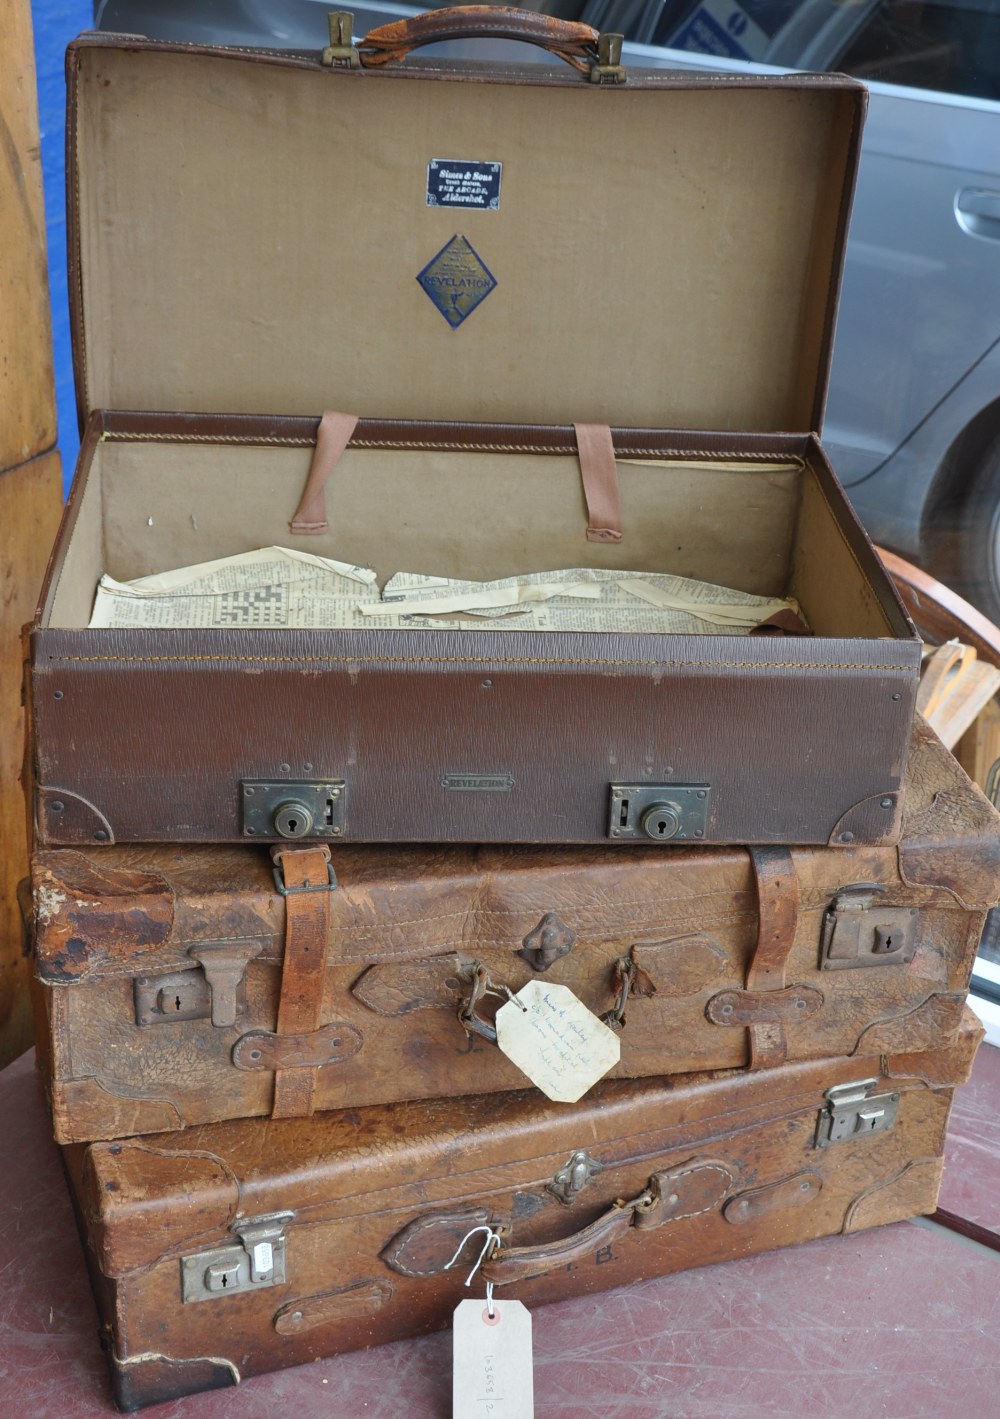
275, 1243
255, 238
178, 986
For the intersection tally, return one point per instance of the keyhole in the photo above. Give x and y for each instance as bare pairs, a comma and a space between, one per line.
225, 1280
293, 825
661, 827
177, 1003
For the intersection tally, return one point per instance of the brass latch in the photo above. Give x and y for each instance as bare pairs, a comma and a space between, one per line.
340, 53
857, 931
852, 1111
217, 991
609, 68
252, 1263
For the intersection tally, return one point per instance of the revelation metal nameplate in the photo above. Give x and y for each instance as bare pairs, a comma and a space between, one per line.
457, 280
477, 783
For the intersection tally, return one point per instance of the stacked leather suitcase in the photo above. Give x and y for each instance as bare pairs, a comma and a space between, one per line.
760, 878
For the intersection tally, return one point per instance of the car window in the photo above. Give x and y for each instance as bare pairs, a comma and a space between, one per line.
951, 45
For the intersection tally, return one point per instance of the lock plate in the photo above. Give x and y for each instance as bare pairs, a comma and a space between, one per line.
859, 932
659, 812
296, 810
252, 1262
179, 995
852, 1112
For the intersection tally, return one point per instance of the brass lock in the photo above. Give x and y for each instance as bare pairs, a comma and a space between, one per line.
661, 821
292, 820
293, 808
660, 811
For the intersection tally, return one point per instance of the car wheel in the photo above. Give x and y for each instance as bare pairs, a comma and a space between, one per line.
968, 539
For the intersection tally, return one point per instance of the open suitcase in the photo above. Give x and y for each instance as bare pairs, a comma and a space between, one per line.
255, 238
179, 986
238, 1248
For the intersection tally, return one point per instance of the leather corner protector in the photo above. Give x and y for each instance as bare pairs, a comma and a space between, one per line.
870, 822
153, 1379
910, 1192
84, 1111
935, 1021
65, 817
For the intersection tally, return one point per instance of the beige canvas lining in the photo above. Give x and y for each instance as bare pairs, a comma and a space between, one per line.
690, 232
481, 516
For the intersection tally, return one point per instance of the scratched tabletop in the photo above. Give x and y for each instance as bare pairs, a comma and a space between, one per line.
898, 1323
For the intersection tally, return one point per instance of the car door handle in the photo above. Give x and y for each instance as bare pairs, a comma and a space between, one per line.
978, 211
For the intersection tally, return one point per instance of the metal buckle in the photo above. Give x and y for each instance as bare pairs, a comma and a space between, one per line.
330, 885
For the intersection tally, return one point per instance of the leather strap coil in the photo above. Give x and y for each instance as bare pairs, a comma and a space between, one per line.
303, 972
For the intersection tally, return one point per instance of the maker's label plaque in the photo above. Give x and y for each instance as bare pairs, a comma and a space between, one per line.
457, 280
458, 182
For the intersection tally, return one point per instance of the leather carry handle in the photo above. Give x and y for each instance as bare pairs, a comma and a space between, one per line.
568, 40
626, 979
694, 1187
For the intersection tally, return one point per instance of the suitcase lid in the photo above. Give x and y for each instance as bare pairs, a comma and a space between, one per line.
253, 232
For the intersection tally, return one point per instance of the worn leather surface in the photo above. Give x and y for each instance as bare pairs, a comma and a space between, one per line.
574, 42
357, 1180
407, 925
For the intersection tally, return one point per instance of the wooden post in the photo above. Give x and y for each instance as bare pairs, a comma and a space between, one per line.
30, 476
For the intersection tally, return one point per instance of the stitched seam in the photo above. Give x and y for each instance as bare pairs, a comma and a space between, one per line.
448, 446
764, 667
474, 914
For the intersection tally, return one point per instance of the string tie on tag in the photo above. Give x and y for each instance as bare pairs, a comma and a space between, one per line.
489, 1247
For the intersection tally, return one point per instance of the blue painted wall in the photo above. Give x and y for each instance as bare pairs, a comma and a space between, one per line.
56, 23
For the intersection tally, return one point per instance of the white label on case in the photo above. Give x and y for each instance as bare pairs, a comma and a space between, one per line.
492, 1376
556, 1041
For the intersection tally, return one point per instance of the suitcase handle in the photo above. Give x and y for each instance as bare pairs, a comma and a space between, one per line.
697, 1186
575, 43
627, 979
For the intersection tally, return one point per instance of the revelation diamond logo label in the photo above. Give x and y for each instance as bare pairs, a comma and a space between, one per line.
457, 280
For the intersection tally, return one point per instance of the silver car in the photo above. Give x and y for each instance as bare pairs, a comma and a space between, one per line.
913, 419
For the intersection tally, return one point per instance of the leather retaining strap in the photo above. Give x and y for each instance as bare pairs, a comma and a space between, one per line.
332, 437
599, 472
306, 872
777, 915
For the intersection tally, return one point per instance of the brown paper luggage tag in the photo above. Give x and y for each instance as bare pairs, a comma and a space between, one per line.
492, 1376
491, 1344
553, 1038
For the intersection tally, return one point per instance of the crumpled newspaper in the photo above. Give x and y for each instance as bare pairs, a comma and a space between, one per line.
279, 587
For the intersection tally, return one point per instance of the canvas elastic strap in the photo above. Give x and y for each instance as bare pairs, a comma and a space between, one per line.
599, 473
777, 915
332, 438
303, 974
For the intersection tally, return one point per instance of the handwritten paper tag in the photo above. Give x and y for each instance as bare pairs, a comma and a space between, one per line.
556, 1041
492, 1376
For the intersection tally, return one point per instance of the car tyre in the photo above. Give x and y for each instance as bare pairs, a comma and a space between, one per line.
968, 539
